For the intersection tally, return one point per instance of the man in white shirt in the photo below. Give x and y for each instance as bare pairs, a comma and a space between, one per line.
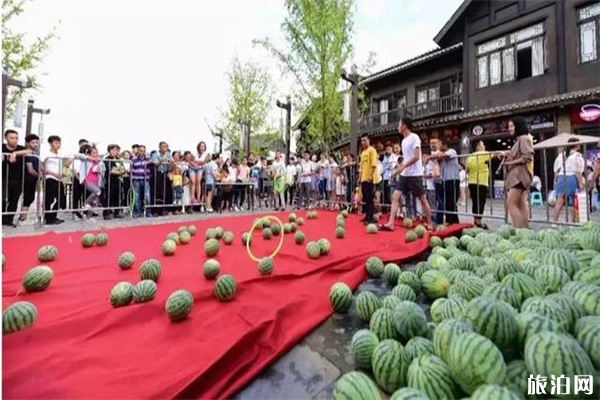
290, 180
411, 174
53, 185
306, 173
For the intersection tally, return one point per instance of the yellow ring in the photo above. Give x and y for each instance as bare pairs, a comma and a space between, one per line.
268, 217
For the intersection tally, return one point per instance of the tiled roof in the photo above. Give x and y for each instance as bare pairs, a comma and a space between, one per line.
430, 55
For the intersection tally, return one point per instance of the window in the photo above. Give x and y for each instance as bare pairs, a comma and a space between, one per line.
518, 55
438, 96
589, 32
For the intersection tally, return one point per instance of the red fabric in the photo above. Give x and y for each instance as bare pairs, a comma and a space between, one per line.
80, 347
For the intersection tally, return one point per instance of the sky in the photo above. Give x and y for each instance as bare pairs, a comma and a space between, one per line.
142, 71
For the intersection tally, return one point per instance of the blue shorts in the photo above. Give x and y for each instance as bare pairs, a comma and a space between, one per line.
209, 187
566, 185
193, 171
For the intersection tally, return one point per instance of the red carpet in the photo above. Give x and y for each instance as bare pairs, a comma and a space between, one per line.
80, 347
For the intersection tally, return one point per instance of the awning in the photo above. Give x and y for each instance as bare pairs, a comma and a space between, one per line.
562, 139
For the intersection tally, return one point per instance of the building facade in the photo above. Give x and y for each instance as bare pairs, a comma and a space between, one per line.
496, 59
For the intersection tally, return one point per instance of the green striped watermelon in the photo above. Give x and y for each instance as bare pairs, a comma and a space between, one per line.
324, 246
299, 237
504, 267
340, 232
374, 267
144, 291
88, 240
589, 275
391, 272
372, 229
121, 294
569, 305
287, 228
529, 324
437, 262
468, 288
563, 259
150, 269
300, 222
410, 321
420, 269
355, 386
101, 239
444, 335
411, 279
434, 284
436, 309
547, 308
474, 361
184, 237
340, 297
211, 268
587, 333
179, 305
418, 346
169, 247
313, 250
38, 279
219, 232
225, 288
435, 241
363, 345
265, 266
409, 394
432, 376
585, 257
267, 233
47, 253
382, 324
126, 260
516, 376
503, 293
174, 236
276, 229
390, 365
228, 238
493, 319
590, 241
453, 308
390, 302
550, 353
211, 247
366, 304
246, 239
192, 230
524, 285
18, 316
210, 233
551, 277
292, 217
497, 392
404, 292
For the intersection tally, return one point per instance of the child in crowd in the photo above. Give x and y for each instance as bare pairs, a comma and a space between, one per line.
177, 184
340, 188
357, 202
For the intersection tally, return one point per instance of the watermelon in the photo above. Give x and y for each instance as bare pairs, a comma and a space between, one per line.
587, 295
192, 230
445, 334
434, 284
144, 291
47, 253
292, 217
366, 304
391, 272
372, 229
587, 333
474, 361
121, 294
228, 238
210, 233
340, 297
179, 305
404, 292
418, 346
340, 223
324, 246
300, 222
355, 386
184, 237
299, 238
363, 345
585, 257
432, 376
420, 269
420, 230
554, 354
436, 309
547, 308
503, 293
529, 324
267, 233
569, 305
493, 319
38, 279
18, 316
344, 213
523, 285
88, 240
410, 321
126, 260
411, 236
516, 376
563, 259
313, 250
435, 241
246, 239
551, 277
374, 267
486, 392
452, 241
590, 241
211, 268
504, 267
437, 262
407, 223
287, 228
411, 279
182, 229
265, 266
589, 275
340, 232
390, 365
409, 394
101, 239
276, 229
453, 308
225, 288
390, 302
211, 247
150, 269
219, 232
169, 247
382, 324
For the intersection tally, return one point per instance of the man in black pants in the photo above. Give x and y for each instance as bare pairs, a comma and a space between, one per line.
13, 169
112, 186
53, 182
32, 174
79, 194
368, 176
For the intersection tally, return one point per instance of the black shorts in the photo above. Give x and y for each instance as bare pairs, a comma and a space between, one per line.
29, 187
411, 185
209, 187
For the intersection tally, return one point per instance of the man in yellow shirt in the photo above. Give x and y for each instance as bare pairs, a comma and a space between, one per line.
369, 175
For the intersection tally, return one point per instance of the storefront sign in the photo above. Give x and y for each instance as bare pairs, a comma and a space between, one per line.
590, 112
536, 122
477, 130
450, 134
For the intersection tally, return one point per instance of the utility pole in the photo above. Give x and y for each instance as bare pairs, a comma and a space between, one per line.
352, 78
6, 82
246, 124
287, 106
32, 110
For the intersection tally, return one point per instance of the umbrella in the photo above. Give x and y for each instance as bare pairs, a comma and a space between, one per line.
562, 139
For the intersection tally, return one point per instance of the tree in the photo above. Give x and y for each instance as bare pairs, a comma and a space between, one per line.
21, 56
249, 98
318, 33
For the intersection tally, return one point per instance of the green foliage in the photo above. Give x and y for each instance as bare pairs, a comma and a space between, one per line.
21, 56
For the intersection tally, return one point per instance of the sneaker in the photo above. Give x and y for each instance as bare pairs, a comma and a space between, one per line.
210, 210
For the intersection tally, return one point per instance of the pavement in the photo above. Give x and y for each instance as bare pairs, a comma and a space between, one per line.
310, 369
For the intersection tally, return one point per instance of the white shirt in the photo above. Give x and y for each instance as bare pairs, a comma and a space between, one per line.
306, 167
323, 167
290, 174
537, 183
573, 164
429, 170
409, 144
53, 164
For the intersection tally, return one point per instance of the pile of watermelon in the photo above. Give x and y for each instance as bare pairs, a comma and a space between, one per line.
482, 314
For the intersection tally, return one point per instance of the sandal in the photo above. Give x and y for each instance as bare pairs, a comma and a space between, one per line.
386, 228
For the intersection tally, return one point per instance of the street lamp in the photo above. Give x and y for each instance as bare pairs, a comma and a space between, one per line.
32, 110
6, 82
287, 106
352, 78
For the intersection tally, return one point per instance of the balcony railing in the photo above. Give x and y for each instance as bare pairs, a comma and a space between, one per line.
443, 105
